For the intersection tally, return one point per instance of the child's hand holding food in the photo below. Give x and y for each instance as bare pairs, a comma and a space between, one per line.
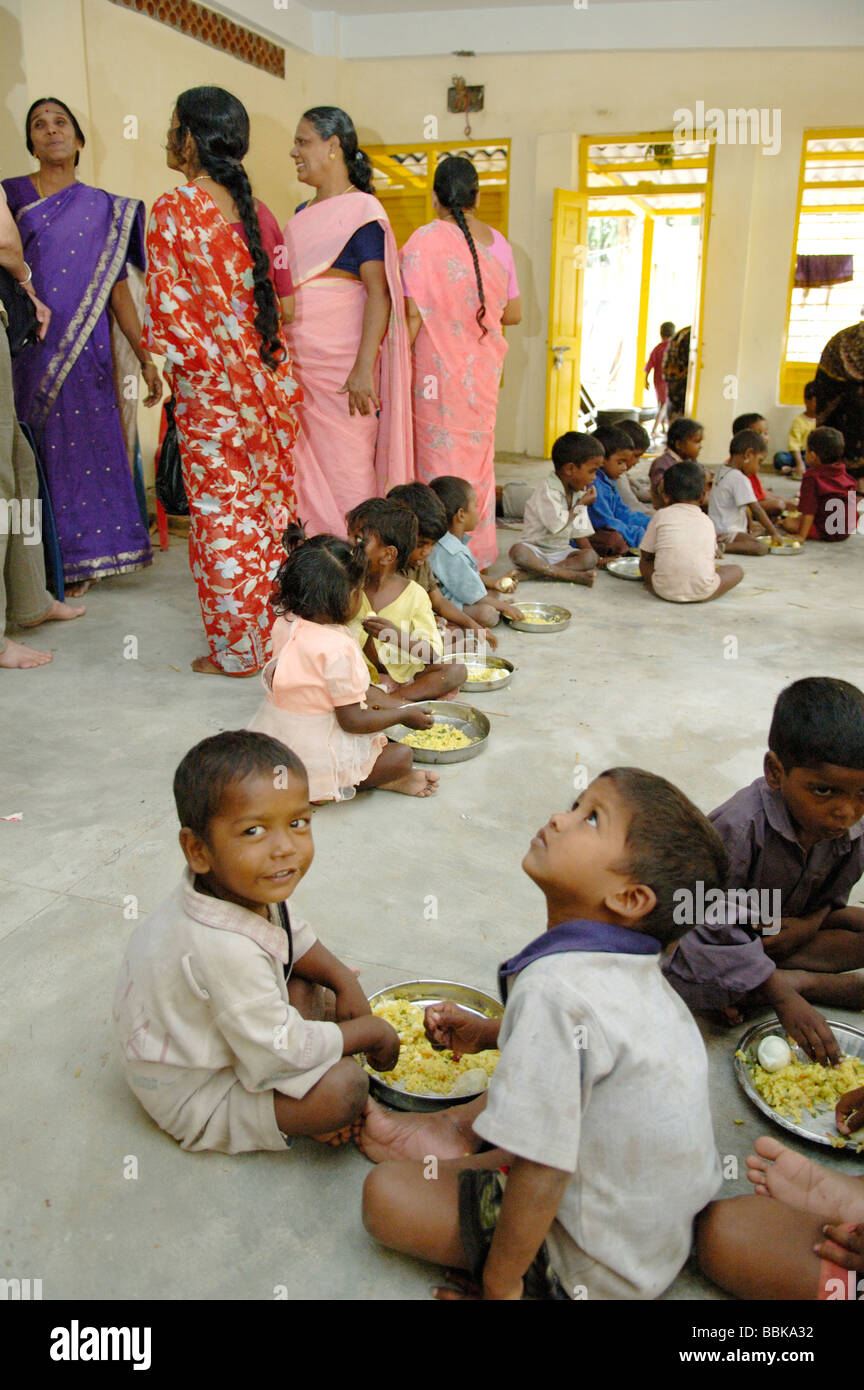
808, 1028
509, 611
382, 1051
417, 718
450, 1027
849, 1115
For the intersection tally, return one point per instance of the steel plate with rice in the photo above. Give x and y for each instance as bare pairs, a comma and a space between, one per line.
492, 674
792, 1087
541, 617
464, 720
624, 567
439, 1065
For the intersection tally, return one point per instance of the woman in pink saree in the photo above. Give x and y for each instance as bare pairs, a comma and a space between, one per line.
348, 337
460, 287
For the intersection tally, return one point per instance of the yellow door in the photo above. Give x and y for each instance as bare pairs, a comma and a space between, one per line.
569, 258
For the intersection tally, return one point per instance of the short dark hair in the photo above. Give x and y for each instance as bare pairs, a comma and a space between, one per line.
667, 329
681, 429
746, 422
40, 101
818, 720
426, 505
828, 444
317, 578
747, 439
636, 433
670, 846
684, 482
811, 390
217, 763
574, 447
613, 439
453, 492
391, 522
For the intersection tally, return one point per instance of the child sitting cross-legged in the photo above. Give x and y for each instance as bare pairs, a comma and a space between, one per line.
791, 459
319, 699
828, 502
431, 516
222, 1003
634, 492
679, 547
617, 528
683, 445
395, 625
771, 502
795, 839
454, 566
555, 527
594, 1047
732, 505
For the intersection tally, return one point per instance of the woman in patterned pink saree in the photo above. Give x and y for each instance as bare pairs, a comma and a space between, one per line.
348, 336
460, 287
212, 308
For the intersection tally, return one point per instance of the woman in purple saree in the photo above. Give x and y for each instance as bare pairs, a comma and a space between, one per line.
78, 242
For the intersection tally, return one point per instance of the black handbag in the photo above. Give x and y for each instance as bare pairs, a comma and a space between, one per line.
23, 326
169, 469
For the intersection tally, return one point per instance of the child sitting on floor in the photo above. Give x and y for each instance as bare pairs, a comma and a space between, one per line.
556, 527
828, 502
732, 502
591, 1040
454, 566
428, 508
683, 444
679, 547
219, 1010
617, 529
806, 1243
791, 459
395, 624
771, 502
795, 838
634, 492
317, 683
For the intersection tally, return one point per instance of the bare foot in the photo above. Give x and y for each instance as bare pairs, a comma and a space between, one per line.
731, 1016
17, 657
417, 782
587, 578
776, 1171
204, 666
387, 1134
58, 613
337, 1137
79, 590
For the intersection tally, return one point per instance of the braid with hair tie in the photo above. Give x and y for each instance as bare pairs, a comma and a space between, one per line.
459, 218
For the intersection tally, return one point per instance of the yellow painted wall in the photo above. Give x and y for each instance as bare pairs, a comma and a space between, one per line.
109, 64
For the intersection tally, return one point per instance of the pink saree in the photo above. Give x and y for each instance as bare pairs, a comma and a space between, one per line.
457, 372
341, 459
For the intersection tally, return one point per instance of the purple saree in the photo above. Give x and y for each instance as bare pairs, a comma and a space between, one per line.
77, 243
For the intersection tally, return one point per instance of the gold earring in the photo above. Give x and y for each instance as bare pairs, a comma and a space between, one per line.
332, 154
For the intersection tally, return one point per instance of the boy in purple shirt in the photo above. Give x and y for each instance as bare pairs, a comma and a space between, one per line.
795, 835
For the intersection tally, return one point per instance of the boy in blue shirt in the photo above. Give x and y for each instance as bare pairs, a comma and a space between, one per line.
617, 527
453, 565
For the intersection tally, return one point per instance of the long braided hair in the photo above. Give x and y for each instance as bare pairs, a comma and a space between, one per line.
332, 120
456, 186
219, 125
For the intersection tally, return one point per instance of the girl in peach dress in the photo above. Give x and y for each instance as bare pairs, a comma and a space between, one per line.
317, 683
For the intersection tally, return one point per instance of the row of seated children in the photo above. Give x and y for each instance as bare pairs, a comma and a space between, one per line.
230, 1043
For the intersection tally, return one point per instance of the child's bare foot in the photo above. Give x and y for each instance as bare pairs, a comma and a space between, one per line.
337, 1138
206, 667
587, 578
776, 1171
385, 1134
57, 613
417, 782
16, 657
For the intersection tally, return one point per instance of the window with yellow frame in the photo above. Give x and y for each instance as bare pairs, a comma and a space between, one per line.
828, 247
403, 175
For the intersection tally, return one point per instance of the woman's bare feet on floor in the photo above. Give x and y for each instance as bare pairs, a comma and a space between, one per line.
414, 783
776, 1171
385, 1134
17, 657
205, 667
58, 613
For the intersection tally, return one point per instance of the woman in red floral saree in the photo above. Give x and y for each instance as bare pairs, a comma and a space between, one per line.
212, 309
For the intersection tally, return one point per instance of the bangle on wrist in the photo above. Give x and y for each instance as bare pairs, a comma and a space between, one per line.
28, 277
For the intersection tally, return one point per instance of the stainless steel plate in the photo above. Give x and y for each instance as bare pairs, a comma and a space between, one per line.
425, 992
561, 617
625, 567
498, 663
815, 1128
787, 549
473, 723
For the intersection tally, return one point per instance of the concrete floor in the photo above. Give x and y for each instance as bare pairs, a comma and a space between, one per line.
96, 738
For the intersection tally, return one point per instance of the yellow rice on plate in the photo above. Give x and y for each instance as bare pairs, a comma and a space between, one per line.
441, 738
806, 1086
420, 1069
488, 673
